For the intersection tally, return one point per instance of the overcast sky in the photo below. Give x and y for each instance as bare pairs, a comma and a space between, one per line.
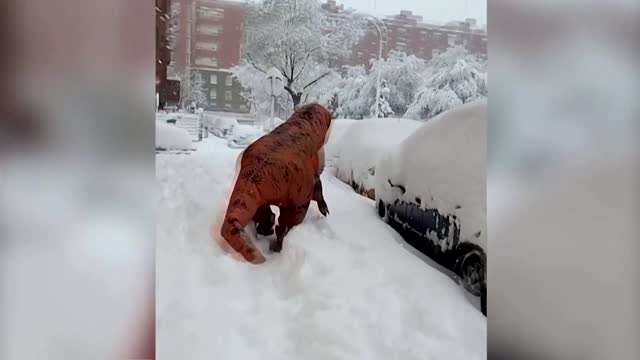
438, 10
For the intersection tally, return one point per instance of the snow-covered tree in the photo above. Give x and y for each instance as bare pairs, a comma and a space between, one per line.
454, 77
402, 74
353, 93
299, 39
384, 108
192, 89
357, 91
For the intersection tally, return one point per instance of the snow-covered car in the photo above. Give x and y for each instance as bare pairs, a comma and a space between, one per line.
171, 137
223, 126
242, 136
362, 144
432, 190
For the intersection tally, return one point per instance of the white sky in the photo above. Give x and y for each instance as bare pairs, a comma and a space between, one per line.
438, 10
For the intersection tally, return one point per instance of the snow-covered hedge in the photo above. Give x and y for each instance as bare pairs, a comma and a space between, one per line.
444, 164
363, 144
170, 137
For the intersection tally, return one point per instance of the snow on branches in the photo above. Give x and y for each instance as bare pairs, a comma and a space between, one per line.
454, 77
300, 40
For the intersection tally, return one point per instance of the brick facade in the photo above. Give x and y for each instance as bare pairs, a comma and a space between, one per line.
209, 41
407, 32
163, 55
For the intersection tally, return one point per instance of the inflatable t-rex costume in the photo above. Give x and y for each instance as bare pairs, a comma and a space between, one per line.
283, 169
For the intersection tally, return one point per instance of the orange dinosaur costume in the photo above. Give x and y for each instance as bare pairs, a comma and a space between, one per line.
283, 169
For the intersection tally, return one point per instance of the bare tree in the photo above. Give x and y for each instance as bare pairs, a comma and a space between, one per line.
299, 39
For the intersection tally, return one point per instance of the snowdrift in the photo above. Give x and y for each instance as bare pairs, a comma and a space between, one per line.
361, 146
444, 164
170, 137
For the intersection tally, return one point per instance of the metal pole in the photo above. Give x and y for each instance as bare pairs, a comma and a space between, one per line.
273, 102
377, 112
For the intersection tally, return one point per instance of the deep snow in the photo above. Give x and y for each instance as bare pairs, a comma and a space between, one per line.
342, 288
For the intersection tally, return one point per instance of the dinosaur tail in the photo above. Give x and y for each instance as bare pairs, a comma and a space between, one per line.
242, 208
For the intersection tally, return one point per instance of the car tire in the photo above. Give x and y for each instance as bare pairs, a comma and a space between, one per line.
382, 210
472, 274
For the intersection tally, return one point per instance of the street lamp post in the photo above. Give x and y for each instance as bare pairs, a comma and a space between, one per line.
275, 82
375, 22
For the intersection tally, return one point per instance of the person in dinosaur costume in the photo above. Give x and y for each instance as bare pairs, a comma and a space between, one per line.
283, 169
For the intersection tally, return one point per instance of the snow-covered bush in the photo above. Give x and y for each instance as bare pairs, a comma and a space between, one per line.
363, 144
453, 78
170, 137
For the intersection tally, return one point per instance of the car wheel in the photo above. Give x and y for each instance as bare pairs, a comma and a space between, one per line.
473, 275
382, 209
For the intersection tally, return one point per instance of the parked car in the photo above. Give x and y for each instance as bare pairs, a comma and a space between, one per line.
222, 127
432, 190
362, 144
172, 138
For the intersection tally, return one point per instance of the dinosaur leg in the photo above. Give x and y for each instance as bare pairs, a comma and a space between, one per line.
289, 217
318, 197
264, 219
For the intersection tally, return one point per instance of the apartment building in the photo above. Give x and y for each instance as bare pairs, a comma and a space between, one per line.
209, 41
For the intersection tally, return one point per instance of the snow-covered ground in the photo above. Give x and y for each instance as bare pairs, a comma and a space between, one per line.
343, 287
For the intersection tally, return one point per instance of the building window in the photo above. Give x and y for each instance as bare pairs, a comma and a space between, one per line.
206, 61
213, 94
207, 45
213, 80
210, 13
227, 106
227, 95
228, 80
208, 29
243, 107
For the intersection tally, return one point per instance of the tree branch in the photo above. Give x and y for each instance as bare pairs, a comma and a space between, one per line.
316, 80
253, 63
